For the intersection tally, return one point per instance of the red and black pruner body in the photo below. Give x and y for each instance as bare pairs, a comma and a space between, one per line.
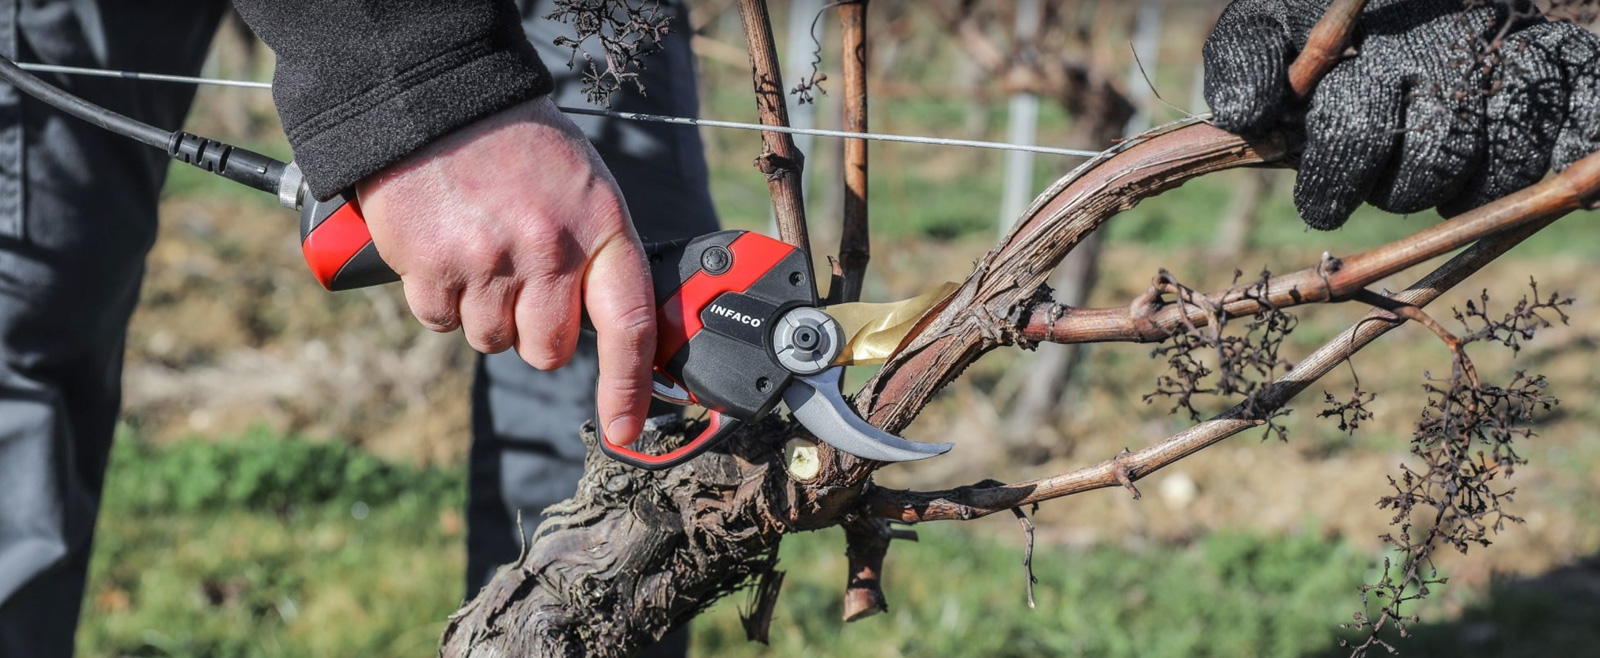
338, 246
718, 296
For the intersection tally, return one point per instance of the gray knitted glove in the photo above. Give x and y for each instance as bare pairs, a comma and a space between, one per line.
1426, 115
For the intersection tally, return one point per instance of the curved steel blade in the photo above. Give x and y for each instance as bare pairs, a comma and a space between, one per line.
817, 404
668, 391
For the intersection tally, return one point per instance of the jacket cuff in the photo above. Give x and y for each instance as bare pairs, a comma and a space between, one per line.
372, 130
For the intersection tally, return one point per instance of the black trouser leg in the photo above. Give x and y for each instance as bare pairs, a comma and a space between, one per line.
77, 214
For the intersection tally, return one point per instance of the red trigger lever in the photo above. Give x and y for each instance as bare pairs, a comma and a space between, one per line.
717, 428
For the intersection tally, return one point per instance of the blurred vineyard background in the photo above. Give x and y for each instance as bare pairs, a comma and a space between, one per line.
289, 476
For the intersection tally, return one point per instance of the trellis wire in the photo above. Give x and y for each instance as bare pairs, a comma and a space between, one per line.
627, 116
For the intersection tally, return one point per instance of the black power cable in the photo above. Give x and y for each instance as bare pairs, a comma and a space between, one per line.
225, 160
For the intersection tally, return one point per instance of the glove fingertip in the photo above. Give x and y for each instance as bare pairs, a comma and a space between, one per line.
1324, 200
1246, 74
1322, 212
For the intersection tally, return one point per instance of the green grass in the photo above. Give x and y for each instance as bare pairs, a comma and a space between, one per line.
260, 471
250, 547
265, 546
959, 592
313, 582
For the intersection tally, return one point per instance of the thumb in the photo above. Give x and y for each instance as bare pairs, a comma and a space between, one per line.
1247, 67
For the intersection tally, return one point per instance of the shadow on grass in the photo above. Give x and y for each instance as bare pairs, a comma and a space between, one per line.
1556, 613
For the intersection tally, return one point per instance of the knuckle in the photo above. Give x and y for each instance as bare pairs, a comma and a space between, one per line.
544, 349
547, 326
491, 341
438, 320
542, 356
490, 334
545, 277
636, 325
618, 239
441, 326
559, 254
432, 304
485, 255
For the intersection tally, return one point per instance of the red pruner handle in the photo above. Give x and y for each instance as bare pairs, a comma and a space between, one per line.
338, 247
718, 427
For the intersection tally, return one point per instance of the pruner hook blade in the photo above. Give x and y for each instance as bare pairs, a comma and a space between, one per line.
817, 404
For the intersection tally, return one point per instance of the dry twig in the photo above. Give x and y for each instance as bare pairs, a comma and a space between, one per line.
780, 160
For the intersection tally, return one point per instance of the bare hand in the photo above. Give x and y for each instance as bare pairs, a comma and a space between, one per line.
501, 228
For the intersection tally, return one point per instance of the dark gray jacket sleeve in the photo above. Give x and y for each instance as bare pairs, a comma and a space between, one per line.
361, 84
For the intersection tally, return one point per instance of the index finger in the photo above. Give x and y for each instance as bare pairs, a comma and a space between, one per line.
621, 305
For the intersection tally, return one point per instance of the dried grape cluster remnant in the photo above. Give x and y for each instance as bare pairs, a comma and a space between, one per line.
627, 32
1209, 360
1464, 448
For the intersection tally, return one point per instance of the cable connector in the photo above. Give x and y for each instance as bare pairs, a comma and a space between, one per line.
228, 161
292, 190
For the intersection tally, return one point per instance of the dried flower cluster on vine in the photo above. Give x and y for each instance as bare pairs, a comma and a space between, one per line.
627, 33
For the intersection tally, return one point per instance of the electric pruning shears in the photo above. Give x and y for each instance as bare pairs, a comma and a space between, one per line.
739, 326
